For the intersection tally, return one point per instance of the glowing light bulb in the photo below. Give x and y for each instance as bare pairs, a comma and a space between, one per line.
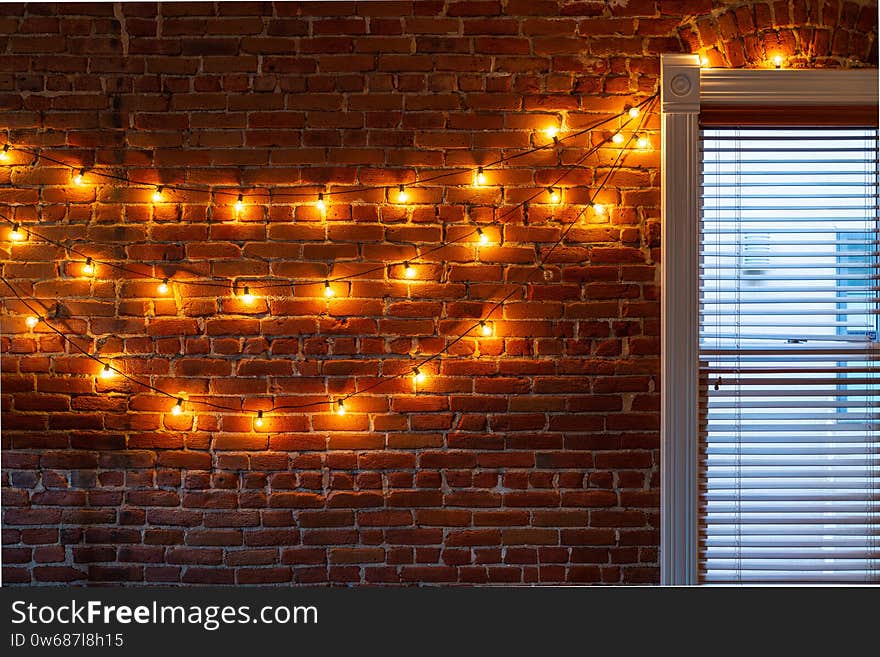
247, 297
258, 421
107, 372
554, 194
320, 203
598, 209
157, 195
485, 328
418, 375
408, 270
401, 194
777, 61
552, 132
643, 142
32, 321
162, 288
4, 154
340, 407
17, 234
617, 138
484, 239
481, 177
88, 267
177, 409
78, 178
633, 112
704, 61
239, 204
328, 291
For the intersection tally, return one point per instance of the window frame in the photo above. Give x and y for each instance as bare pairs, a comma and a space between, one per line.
686, 90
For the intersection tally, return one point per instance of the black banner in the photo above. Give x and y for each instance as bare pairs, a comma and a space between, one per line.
417, 621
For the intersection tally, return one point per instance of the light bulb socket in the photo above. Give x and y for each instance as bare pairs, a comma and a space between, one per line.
401, 189
259, 415
320, 196
5, 148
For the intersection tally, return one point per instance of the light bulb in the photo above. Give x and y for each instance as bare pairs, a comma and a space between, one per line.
704, 61
239, 204
418, 375
552, 132
258, 421
485, 328
340, 407
554, 194
401, 194
4, 154
328, 291
320, 203
484, 239
643, 142
78, 178
617, 138
633, 112
157, 195
162, 288
481, 177
408, 271
88, 267
177, 409
107, 372
17, 234
598, 209
247, 297
32, 321
777, 61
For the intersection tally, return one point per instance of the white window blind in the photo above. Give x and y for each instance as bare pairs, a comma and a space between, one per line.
789, 486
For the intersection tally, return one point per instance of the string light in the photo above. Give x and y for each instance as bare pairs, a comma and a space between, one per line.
88, 267
32, 321
4, 154
633, 112
598, 209
480, 177
777, 61
643, 142
484, 239
552, 132
247, 297
320, 203
162, 288
239, 204
401, 194
328, 290
418, 375
78, 178
157, 195
258, 421
617, 138
17, 234
704, 61
107, 372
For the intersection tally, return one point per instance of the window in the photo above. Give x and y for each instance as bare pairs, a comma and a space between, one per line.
770, 454
789, 463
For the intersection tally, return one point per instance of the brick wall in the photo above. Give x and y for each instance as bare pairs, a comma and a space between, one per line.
531, 456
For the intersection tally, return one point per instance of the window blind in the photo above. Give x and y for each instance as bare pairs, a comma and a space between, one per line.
789, 379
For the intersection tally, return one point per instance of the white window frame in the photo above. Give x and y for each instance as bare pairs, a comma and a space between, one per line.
685, 89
